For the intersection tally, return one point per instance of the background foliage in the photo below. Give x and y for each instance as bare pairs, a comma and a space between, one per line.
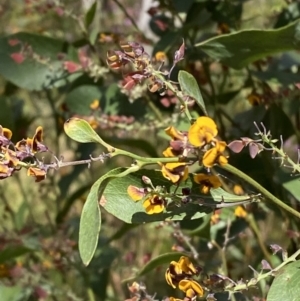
245, 58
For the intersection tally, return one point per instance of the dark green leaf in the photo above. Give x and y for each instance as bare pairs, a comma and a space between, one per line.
239, 49
123, 230
69, 201
167, 41
160, 260
226, 97
278, 122
45, 71
21, 215
286, 284
190, 87
6, 113
182, 6
245, 119
90, 223
89, 17
99, 271
11, 252
203, 230
79, 99
156, 262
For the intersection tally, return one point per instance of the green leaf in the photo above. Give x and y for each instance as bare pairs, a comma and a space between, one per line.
156, 262
81, 131
69, 201
90, 221
20, 215
6, 112
167, 41
90, 224
13, 293
226, 97
292, 186
116, 200
203, 230
286, 284
220, 195
182, 6
89, 17
45, 71
122, 231
11, 252
190, 87
79, 99
239, 49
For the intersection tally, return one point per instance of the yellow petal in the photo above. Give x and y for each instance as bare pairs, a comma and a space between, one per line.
196, 135
238, 189
221, 146
95, 104
168, 153
210, 157
169, 278
222, 160
186, 265
135, 193
240, 212
205, 121
7, 133
186, 284
205, 189
174, 133
152, 208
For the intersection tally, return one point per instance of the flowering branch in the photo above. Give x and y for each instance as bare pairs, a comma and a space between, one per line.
255, 280
260, 189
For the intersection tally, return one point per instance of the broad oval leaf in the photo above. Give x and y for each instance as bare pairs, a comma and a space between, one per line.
189, 86
90, 221
286, 284
90, 224
41, 68
239, 49
14, 293
116, 200
80, 98
81, 131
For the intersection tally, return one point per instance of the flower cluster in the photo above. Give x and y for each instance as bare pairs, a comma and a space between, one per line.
133, 55
181, 274
153, 202
199, 144
202, 135
15, 156
200, 141
207, 182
